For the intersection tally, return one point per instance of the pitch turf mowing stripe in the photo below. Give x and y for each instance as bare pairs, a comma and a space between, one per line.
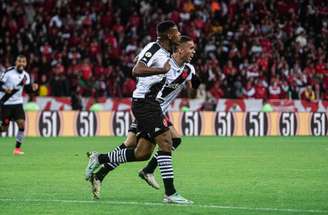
162, 204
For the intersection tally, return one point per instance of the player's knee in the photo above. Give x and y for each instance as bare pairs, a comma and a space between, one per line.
165, 143
142, 155
131, 141
145, 156
21, 124
166, 146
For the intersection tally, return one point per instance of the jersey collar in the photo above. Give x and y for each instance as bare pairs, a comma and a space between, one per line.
176, 64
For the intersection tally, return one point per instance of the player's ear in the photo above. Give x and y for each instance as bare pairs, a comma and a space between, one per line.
169, 35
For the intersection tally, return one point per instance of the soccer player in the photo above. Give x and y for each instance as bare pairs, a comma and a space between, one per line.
176, 79
181, 73
152, 64
12, 82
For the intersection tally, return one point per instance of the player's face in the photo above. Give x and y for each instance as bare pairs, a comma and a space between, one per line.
21, 63
174, 35
188, 51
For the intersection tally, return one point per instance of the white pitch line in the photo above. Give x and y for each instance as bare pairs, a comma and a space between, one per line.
166, 205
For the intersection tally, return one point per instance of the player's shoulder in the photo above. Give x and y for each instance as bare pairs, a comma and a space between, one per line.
10, 69
191, 67
151, 49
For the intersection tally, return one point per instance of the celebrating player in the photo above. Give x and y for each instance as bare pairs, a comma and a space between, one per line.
152, 64
176, 78
12, 82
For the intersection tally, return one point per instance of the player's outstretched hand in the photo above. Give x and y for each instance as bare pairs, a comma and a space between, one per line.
167, 66
35, 87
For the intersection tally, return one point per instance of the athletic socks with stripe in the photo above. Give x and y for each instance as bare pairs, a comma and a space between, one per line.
107, 167
152, 164
164, 160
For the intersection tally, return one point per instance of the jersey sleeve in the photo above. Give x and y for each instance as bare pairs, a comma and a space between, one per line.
4, 81
3, 77
149, 55
28, 79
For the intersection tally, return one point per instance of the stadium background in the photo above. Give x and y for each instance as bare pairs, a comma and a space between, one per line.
269, 49
249, 53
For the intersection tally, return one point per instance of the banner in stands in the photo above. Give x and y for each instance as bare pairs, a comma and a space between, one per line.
193, 123
224, 105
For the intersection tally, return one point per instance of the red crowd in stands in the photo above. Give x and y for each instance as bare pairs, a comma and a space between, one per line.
271, 49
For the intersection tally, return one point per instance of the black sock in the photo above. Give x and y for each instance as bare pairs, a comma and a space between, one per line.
103, 171
164, 160
19, 137
119, 156
152, 164
18, 144
175, 143
107, 167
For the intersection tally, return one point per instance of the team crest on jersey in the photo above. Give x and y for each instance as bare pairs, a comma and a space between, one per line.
23, 82
148, 54
184, 74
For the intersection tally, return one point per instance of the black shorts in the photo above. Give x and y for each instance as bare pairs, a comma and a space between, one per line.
149, 117
11, 112
134, 127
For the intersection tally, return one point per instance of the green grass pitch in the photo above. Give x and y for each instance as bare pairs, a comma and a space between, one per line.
222, 175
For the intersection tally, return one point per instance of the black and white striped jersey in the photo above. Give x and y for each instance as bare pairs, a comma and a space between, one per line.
176, 78
153, 55
12, 79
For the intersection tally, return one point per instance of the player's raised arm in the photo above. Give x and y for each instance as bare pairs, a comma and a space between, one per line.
141, 70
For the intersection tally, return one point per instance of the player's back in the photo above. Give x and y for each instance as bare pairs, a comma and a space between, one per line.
152, 55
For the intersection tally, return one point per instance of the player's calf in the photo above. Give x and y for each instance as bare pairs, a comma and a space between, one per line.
19, 141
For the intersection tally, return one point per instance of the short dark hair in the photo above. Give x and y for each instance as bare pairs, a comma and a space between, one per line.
164, 26
21, 56
184, 39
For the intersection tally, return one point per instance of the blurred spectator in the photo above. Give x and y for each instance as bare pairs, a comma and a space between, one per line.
308, 94
128, 87
43, 87
216, 90
249, 90
76, 99
260, 90
95, 43
274, 90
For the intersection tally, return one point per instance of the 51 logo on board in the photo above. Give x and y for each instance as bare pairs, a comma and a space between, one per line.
288, 124
224, 124
86, 124
121, 122
49, 124
319, 124
256, 124
191, 124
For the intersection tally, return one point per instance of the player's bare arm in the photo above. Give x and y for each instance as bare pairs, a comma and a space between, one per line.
141, 70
